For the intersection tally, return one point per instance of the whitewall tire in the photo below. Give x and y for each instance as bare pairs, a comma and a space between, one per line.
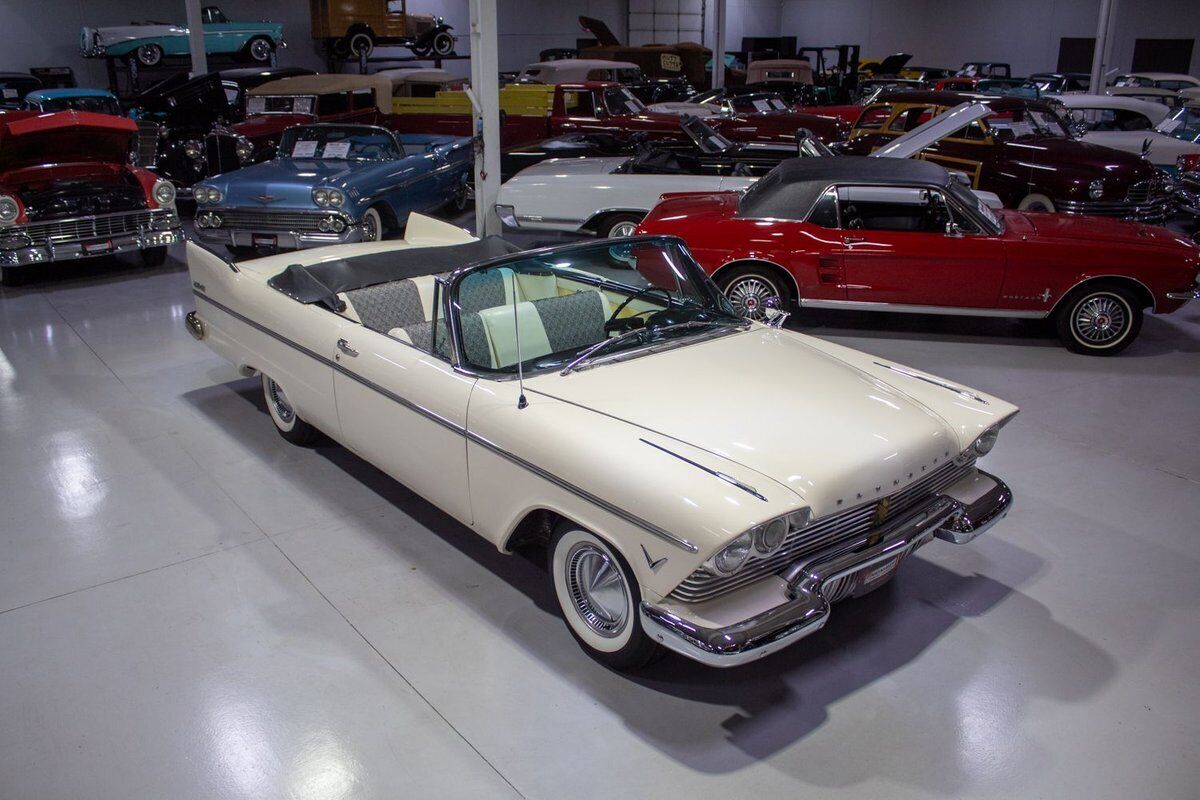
372, 224
289, 424
1036, 202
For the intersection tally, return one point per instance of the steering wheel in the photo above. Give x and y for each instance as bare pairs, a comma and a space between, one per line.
629, 323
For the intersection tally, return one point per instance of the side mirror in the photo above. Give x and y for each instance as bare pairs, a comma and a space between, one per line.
953, 231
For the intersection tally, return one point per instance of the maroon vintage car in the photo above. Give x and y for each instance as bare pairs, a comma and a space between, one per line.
902, 235
69, 191
1023, 152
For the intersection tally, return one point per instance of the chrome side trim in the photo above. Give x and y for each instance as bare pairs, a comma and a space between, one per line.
578, 491
745, 487
899, 308
935, 381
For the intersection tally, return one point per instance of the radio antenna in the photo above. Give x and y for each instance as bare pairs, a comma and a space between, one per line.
521, 401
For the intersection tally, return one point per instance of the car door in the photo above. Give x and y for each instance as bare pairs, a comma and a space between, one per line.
898, 249
405, 409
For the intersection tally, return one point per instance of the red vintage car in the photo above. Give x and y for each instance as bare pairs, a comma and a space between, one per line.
69, 191
903, 235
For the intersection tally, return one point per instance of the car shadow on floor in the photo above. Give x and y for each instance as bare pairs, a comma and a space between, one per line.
720, 721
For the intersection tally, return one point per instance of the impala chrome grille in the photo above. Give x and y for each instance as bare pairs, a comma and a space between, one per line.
254, 219
102, 226
846, 529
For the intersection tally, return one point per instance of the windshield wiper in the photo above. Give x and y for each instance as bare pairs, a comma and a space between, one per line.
602, 345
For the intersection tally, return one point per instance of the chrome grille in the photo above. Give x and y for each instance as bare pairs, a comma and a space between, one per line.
841, 529
254, 219
98, 227
147, 142
1139, 193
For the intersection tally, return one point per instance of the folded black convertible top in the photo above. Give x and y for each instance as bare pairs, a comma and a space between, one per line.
321, 283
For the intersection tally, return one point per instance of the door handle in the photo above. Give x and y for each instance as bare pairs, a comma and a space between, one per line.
568, 126
345, 347
853, 239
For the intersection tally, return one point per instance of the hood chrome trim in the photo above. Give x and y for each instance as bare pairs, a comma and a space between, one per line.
745, 487
956, 389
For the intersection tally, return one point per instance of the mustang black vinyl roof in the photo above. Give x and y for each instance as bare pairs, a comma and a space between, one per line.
793, 187
320, 283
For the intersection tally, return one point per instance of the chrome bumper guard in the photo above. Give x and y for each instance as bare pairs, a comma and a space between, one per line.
961, 513
282, 240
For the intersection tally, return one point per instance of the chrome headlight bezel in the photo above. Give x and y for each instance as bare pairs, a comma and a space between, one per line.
10, 209
733, 556
207, 195
325, 197
761, 541
985, 442
1096, 189
164, 193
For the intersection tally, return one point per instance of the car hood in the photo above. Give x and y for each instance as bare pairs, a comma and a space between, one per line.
1084, 228
601, 165
28, 139
289, 180
269, 126
1073, 158
785, 406
933, 130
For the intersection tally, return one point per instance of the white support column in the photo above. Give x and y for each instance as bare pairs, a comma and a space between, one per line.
196, 37
1102, 54
485, 86
718, 48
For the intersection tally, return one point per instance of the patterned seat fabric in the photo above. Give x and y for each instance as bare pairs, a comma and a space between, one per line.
574, 320
475, 341
482, 290
388, 305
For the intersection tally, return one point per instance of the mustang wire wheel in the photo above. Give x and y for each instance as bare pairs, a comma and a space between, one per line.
597, 588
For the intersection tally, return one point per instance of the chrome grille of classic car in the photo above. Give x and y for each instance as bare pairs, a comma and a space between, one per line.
97, 227
265, 219
220, 153
1147, 201
836, 530
147, 142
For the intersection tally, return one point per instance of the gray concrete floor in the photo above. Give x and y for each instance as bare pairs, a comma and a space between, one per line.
192, 608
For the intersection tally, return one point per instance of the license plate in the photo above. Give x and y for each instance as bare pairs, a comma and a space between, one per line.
92, 248
868, 579
264, 241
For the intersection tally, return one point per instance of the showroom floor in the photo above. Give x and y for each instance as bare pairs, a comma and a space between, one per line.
192, 608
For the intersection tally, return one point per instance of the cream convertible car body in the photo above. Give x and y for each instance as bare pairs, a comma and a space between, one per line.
702, 482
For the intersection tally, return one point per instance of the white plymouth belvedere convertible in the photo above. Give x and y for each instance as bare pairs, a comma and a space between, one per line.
700, 482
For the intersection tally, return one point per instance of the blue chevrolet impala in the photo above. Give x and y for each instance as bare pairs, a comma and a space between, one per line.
331, 184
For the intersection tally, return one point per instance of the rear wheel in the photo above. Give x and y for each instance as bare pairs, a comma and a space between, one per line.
287, 422
599, 598
362, 43
443, 44
748, 289
149, 55
1036, 202
259, 49
1099, 320
619, 226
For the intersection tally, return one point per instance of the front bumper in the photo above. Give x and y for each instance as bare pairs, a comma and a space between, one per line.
278, 240
20, 249
810, 586
1187, 294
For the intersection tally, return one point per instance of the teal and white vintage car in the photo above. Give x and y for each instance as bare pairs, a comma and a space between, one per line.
148, 42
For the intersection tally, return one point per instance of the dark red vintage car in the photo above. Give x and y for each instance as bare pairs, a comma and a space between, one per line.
69, 191
1023, 152
902, 235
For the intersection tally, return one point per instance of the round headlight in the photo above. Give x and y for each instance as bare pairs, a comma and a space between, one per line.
10, 209
336, 198
193, 149
321, 197
768, 538
164, 193
984, 444
243, 149
1096, 189
730, 560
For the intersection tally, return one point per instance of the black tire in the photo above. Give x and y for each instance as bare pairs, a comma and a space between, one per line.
154, 256
241, 253
361, 43
747, 288
606, 624
14, 276
148, 55
259, 50
443, 44
289, 424
618, 226
420, 51
1101, 319
340, 47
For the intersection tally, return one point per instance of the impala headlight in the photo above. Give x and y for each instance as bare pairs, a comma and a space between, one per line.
731, 559
243, 149
10, 209
193, 149
1096, 189
164, 193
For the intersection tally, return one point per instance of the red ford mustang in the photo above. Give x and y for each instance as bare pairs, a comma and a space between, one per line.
905, 235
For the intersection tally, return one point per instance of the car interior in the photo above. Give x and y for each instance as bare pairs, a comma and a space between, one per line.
892, 208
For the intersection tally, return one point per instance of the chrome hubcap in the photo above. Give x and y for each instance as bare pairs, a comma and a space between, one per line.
597, 588
749, 296
148, 54
1100, 320
622, 229
279, 401
370, 229
260, 50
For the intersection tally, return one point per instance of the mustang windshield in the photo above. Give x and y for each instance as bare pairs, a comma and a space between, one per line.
590, 303
344, 142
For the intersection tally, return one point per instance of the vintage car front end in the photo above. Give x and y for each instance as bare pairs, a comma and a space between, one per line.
242, 212
1144, 199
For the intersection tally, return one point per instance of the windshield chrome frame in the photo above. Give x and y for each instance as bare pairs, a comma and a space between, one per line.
378, 128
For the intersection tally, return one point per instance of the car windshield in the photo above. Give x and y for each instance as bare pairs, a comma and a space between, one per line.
1183, 124
280, 104
620, 102
98, 105
1024, 122
572, 307
974, 202
344, 142
759, 104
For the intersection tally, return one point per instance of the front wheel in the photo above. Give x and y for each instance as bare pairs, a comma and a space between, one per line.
1099, 320
1036, 202
260, 49
620, 226
748, 289
362, 44
443, 44
372, 226
287, 422
599, 599
149, 55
